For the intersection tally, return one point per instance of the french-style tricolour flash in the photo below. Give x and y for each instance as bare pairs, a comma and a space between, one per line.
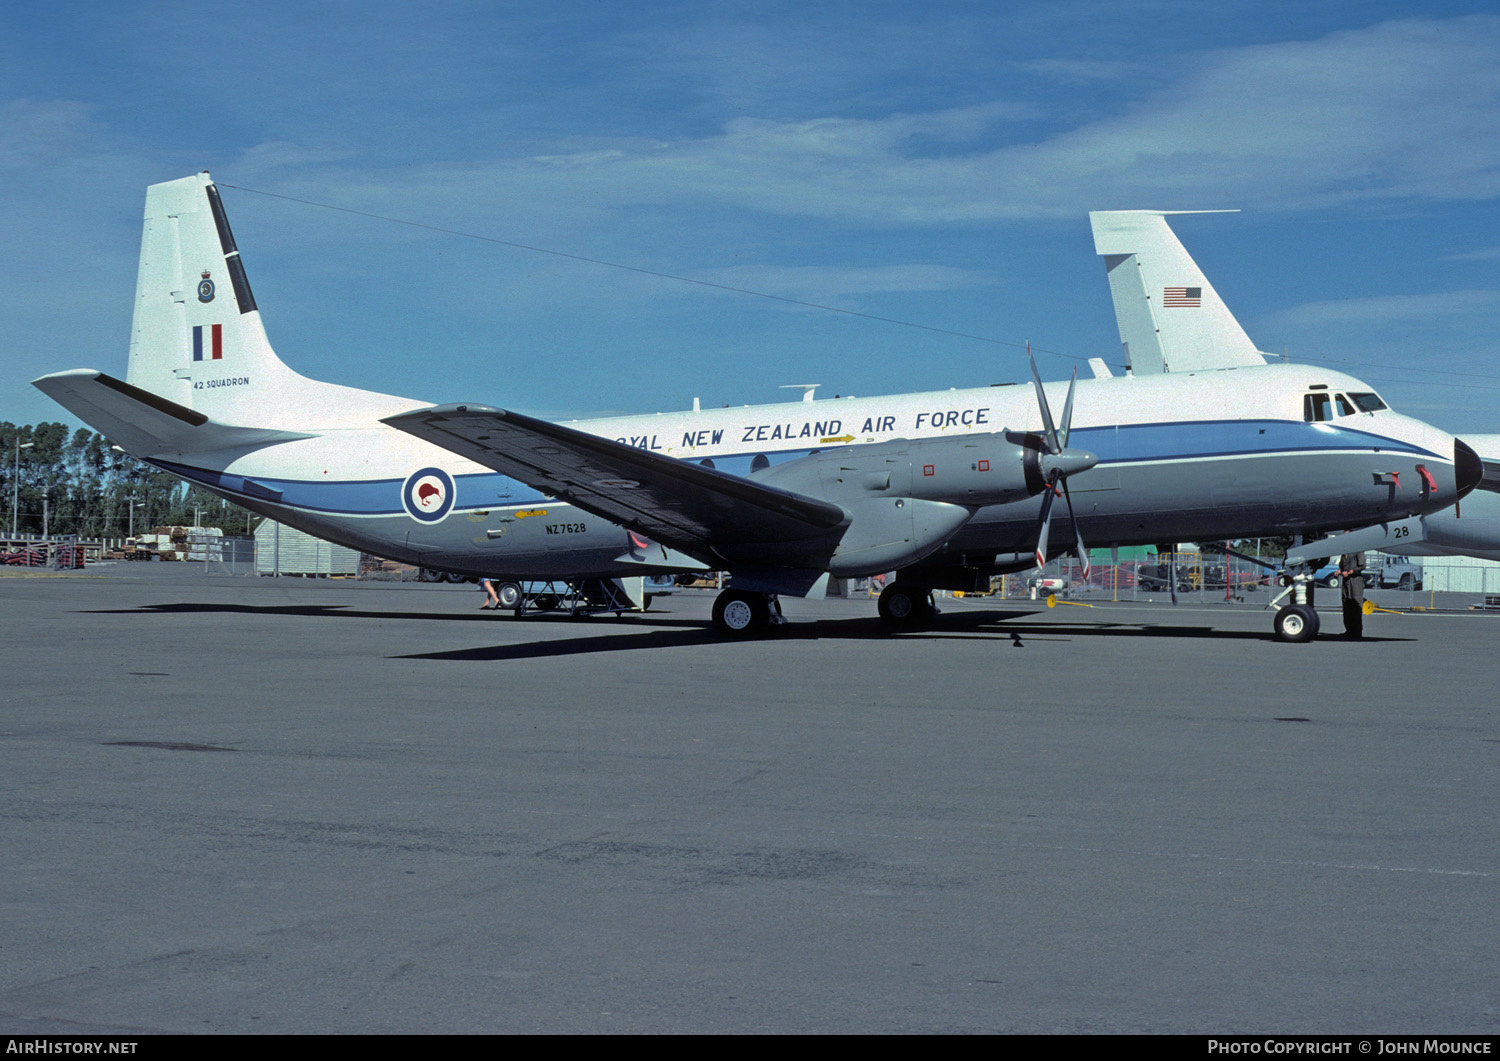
215, 340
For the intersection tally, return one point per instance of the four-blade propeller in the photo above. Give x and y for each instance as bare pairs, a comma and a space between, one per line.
1057, 463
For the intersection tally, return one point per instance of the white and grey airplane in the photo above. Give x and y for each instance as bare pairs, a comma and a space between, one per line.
945, 488
1172, 320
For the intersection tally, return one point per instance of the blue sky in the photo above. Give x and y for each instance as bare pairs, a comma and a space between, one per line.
932, 163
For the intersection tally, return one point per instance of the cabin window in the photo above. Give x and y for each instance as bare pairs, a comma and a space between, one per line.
1317, 407
760, 463
707, 462
1367, 402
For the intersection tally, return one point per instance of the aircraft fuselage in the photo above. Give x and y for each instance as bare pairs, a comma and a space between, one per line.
1181, 458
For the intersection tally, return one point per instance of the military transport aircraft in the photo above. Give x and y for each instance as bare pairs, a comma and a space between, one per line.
945, 488
1172, 320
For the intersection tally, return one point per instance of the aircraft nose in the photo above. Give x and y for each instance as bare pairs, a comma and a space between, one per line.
1468, 469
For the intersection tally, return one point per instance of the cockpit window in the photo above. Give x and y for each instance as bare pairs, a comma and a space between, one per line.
1367, 402
1345, 409
1317, 406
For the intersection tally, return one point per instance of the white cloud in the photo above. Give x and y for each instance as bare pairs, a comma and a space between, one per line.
1484, 254
1084, 71
834, 285
36, 133
272, 158
1387, 309
1400, 111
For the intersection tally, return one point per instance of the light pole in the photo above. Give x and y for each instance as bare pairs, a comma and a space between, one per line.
15, 490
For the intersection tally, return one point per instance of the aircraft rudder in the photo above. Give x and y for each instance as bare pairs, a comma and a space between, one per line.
1169, 315
196, 335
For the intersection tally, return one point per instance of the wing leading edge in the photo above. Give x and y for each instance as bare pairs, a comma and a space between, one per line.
686, 506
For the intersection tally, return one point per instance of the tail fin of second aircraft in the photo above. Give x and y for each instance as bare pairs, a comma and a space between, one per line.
1171, 319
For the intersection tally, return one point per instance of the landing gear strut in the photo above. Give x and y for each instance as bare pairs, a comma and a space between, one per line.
906, 607
740, 613
1296, 622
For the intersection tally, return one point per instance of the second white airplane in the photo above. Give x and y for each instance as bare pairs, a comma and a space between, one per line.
1172, 320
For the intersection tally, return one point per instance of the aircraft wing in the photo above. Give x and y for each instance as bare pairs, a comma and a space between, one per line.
683, 505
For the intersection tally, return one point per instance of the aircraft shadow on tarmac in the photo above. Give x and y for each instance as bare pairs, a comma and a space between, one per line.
645, 632
997, 626
317, 611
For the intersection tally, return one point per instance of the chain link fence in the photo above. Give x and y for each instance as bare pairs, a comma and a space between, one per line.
1198, 578
1439, 584
1406, 584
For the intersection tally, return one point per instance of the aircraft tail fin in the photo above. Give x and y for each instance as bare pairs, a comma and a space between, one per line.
1170, 317
196, 322
197, 339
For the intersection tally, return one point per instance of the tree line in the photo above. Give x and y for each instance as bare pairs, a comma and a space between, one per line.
75, 482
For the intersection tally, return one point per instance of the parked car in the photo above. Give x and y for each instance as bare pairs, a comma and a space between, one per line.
1042, 586
1395, 572
1157, 578
1328, 576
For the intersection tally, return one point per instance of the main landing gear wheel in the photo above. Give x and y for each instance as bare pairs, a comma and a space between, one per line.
906, 607
1296, 623
738, 613
509, 595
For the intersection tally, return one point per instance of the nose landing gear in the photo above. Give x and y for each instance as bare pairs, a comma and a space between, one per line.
1296, 622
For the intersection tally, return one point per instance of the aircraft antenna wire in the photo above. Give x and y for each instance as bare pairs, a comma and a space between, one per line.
652, 272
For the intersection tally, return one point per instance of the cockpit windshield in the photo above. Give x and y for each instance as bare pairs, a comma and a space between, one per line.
1320, 405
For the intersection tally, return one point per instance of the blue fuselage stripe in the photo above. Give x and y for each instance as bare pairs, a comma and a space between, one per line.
1114, 444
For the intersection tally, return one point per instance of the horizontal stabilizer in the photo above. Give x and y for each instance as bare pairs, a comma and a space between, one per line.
682, 505
145, 424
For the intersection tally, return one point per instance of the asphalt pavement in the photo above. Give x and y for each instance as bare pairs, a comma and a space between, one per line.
301, 805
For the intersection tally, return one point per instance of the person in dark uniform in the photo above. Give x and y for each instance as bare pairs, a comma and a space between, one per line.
1352, 589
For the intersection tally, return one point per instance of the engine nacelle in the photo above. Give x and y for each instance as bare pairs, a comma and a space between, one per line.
967, 470
888, 533
907, 497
